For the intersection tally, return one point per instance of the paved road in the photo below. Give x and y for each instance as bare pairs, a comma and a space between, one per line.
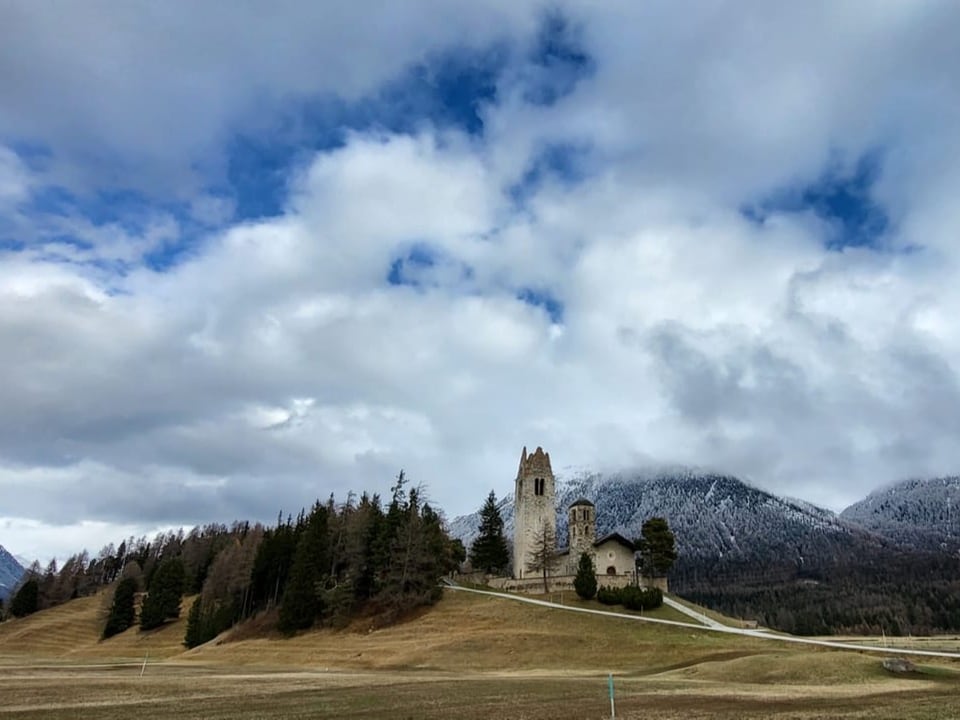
698, 616
715, 627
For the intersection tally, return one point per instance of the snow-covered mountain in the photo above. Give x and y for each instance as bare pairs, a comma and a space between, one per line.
712, 516
10, 573
919, 514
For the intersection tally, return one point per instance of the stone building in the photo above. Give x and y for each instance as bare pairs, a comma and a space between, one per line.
534, 510
612, 554
535, 514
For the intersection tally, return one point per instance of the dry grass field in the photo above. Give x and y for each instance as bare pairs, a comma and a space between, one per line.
469, 657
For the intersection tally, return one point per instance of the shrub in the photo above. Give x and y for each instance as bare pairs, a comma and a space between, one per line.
609, 596
634, 598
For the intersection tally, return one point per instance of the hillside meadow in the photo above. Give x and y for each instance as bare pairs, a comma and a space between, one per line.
468, 657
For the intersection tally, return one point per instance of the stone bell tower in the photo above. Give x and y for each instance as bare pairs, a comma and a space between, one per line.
581, 529
534, 507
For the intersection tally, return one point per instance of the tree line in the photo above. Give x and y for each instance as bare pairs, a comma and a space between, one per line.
905, 593
327, 566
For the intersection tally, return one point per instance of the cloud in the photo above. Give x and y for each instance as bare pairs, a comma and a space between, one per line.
569, 266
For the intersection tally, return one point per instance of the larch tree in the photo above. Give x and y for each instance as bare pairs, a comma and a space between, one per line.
543, 552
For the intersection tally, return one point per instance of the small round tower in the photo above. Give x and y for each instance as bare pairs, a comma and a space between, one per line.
581, 528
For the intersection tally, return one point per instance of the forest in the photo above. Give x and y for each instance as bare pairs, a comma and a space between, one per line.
330, 564
897, 593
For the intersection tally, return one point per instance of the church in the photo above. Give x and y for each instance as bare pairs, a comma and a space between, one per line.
535, 522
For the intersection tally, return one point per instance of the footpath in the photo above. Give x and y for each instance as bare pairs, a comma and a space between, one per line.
706, 624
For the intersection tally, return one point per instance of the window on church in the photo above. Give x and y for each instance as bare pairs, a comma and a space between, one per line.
611, 570
538, 486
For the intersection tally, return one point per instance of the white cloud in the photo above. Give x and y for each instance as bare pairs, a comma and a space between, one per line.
277, 364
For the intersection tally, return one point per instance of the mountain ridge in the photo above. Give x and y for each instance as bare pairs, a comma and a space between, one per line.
10, 573
917, 513
712, 514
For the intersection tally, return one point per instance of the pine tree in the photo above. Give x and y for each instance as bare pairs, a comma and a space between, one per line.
489, 551
302, 601
196, 630
163, 600
27, 599
585, 583
122, 610
657, 547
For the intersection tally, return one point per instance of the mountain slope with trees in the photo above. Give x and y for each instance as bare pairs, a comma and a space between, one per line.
786, 563
923, 514
10, 573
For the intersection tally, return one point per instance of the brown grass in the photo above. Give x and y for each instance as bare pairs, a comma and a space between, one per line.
72, 632
468, 657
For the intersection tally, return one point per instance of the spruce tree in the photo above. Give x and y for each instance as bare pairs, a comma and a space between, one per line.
27, 599
489, 551
585, 583
163, 600
196, 626
122, 610
302, 601
657, 547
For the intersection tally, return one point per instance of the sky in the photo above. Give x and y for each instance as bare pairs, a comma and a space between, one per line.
252, 254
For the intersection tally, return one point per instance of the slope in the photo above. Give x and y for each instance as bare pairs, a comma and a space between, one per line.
72, 631
713, 517
10, 573
923, 514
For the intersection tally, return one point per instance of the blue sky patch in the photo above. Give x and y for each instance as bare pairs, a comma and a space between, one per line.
544, 300
842, 196
559, 61
423, 266
560, 162
449, 90
406, 270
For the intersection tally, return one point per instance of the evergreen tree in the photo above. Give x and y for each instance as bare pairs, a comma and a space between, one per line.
489, 551
163, 599
27, 599
585, 583
196, 626
657, 547
122, 610
302, 601
456, 554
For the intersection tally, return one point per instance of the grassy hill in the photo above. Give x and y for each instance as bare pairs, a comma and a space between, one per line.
72, 632
469, 656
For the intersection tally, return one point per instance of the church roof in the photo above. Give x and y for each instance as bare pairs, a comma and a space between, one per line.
615, 537
581, 501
